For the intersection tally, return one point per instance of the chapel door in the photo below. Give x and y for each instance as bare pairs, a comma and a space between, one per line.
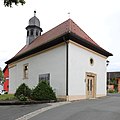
90, 87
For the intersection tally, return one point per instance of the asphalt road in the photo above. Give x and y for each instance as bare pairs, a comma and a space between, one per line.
100, 109
107, 108
13, 112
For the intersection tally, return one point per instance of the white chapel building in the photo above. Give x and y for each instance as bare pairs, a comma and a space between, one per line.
65, 56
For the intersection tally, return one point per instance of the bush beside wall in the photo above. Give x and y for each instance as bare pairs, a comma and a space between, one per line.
41, 92
23, 92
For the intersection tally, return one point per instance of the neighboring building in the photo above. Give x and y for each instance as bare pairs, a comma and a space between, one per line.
1, 87
113, 76
6, 77
72, 63
1, 76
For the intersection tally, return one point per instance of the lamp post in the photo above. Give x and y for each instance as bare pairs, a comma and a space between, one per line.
107, 62
108, 78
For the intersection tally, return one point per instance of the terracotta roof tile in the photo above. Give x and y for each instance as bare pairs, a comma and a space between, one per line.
65, 27
78, 31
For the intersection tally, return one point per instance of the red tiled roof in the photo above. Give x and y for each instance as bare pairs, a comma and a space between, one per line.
66, 27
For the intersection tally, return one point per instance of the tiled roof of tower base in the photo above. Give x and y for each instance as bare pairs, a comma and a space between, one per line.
67, 30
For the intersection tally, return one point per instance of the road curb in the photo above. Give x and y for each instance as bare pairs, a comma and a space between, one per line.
24, 102
32, 114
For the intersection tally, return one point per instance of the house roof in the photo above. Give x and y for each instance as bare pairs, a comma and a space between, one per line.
67, 30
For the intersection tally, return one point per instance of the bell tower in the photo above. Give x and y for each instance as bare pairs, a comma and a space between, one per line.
33, 29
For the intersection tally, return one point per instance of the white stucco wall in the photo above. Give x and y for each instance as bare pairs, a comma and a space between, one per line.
79, 64
51, 61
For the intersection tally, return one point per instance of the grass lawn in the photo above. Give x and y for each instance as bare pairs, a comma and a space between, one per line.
7, 97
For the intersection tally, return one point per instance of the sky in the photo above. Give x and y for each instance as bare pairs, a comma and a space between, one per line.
100, 19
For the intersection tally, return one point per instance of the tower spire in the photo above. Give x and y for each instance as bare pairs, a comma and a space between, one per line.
34, 12
69, 15
33, 29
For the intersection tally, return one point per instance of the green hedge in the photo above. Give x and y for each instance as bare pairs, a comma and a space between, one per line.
42, 91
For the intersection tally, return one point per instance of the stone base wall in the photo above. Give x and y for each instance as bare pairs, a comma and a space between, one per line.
77, 97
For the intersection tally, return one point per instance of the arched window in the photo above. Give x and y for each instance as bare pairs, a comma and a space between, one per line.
27, 33
36, 32
31, 32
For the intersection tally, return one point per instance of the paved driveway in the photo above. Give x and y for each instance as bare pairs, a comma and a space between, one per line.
107, 108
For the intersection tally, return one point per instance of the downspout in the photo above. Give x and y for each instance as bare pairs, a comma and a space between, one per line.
66, 68
66, 44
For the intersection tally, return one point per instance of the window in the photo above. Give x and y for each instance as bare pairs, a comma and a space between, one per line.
31, 32
36, 32
27, 33
91, 61
25, 71
44, 77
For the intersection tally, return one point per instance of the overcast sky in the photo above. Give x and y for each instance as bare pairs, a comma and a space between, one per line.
100, 19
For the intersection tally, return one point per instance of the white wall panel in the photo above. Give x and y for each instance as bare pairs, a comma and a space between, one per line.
79, 64
52, 61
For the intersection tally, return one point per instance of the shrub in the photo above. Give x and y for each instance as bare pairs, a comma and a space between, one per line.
6, 92
23, 91
43, 91
22, 98
111, 91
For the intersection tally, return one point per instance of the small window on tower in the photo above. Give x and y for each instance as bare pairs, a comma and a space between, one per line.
36, 32
25, 71
31, 32
27, 33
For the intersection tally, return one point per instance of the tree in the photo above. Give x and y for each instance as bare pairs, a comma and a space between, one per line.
1, 76
8, 3
114, 82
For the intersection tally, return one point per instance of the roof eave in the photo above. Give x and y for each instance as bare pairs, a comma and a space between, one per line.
89, 45
44, 46
60, 39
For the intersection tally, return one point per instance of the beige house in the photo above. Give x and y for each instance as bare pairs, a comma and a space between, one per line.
65, 56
